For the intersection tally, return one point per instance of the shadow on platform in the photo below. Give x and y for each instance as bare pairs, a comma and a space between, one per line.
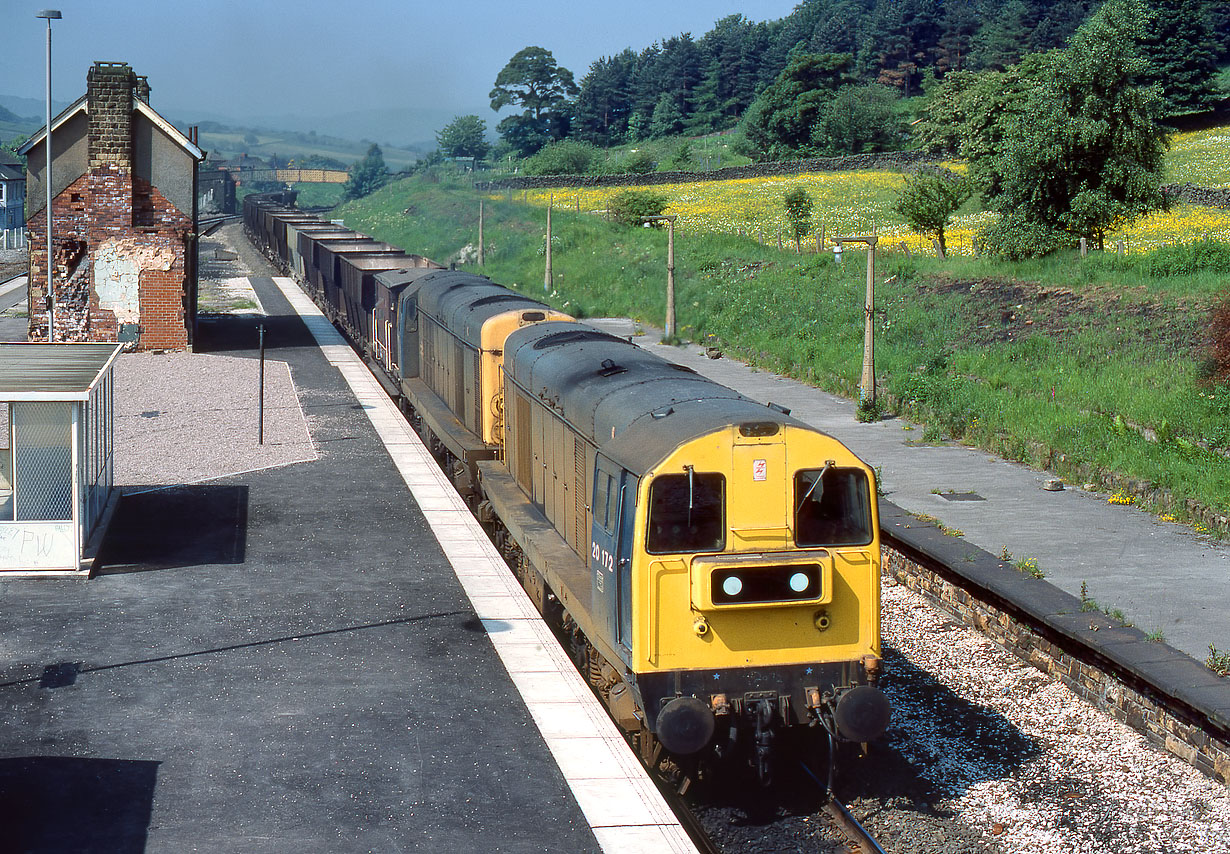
175, 526
65, 804
237, 335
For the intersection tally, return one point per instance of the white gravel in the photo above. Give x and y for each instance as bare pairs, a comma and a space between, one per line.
189, 417
1066, 778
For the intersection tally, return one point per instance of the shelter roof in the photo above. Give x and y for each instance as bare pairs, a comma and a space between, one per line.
52, 372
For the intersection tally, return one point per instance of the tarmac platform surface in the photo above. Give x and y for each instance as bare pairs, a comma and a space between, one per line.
285, 660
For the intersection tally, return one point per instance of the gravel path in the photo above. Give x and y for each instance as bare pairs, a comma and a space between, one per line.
188, 417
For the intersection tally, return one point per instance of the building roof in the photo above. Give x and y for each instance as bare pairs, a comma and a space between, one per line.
51, 372
139, 106
11, 173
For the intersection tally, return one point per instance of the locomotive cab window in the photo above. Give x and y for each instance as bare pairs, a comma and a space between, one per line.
687, 513
832, 507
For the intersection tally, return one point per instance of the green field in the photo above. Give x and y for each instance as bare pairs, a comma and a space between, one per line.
295, 145
1091, 367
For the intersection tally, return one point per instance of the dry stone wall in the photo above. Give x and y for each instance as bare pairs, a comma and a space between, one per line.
892, 160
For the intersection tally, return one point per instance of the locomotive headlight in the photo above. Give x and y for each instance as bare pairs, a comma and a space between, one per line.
799, 582
732, 586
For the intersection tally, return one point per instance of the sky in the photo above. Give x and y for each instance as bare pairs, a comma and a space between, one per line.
248, 59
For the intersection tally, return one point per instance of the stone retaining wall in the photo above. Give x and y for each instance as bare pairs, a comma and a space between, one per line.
1154, 689
892, 160
1209, 197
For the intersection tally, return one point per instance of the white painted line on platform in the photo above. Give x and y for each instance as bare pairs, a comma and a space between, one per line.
625, 810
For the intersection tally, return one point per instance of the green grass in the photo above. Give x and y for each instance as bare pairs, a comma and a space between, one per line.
319, 195
1110, 359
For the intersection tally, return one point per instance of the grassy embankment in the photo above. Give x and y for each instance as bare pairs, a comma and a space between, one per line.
1091, 367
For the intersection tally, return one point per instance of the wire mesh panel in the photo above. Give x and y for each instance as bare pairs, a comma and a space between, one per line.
42, 461
96, 462
6, 467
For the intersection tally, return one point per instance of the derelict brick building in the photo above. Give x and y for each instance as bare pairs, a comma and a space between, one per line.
124, 226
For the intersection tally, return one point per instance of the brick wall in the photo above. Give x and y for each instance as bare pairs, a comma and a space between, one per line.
120, 240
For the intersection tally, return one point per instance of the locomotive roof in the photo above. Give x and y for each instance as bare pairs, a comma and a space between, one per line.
635, 406
463, 302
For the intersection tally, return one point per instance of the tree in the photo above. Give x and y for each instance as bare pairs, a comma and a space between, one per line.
604, 101
928, 202
858, 119
533, 81
1179, 43
1085, 155
779, 122
367, 175
798, 204
464, 136
667, 118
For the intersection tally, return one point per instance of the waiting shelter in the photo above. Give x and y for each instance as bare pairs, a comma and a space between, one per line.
56, 463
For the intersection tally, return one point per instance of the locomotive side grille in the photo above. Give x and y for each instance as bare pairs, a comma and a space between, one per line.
580, 493
476, 394
520, 436
458, 403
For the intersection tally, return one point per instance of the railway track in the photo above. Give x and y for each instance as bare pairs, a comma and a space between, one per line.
862, 840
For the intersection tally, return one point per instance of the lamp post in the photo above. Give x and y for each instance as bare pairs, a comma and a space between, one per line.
669, 219
49, 15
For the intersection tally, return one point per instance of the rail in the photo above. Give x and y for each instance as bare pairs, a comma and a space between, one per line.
851, 827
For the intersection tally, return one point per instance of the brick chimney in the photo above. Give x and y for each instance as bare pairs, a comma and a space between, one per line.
109, 88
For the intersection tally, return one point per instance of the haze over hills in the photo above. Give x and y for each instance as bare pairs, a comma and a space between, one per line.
407, 129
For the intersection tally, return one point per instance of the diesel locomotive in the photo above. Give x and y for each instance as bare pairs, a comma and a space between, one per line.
712, 563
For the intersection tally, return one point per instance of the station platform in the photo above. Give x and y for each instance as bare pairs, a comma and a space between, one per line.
1166, 578
321, 653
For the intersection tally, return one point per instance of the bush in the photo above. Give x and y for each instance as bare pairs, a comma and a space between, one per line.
1210, 256
798, 203
681, 159
636, 163
1015, 238
565, 157
928, 202
630, 207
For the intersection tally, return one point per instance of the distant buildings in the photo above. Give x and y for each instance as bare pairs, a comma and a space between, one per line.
124, 230
12, 197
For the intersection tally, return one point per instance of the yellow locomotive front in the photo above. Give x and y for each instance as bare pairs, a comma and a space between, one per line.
755, 590
731, 553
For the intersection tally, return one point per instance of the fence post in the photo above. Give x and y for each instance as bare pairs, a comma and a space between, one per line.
546, 281
480, 233
1084, 247
1120, 248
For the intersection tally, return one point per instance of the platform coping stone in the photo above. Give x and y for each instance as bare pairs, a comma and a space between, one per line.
623, 807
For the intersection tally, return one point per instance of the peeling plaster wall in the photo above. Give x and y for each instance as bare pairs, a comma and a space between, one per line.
118, 265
